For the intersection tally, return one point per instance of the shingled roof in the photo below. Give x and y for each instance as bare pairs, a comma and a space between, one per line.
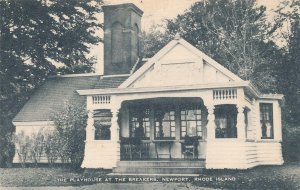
57, 90
110, 82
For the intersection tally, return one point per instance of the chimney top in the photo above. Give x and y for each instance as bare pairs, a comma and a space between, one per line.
124, 5
122, 33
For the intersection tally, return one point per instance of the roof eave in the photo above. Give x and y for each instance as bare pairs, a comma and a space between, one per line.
112, 91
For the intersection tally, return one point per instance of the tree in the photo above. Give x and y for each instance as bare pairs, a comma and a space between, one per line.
153, 41
7, 148
35, 36
70, 125
233, 33
289, 78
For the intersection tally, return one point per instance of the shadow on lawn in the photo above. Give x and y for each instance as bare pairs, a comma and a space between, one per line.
260, 178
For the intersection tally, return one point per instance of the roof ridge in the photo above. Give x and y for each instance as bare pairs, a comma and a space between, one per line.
115, 76
75, 75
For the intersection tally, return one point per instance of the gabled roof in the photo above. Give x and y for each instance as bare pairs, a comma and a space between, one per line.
164, 51
57, 90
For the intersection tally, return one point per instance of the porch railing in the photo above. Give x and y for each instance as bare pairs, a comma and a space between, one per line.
101, 99
223, 94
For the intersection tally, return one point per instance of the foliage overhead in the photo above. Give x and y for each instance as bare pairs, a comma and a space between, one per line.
235, 33
289, 79
36, 34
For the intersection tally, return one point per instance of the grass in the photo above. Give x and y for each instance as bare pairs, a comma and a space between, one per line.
286, 176
262, 177
45, 176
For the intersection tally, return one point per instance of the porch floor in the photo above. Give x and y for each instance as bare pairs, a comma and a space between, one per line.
162, 167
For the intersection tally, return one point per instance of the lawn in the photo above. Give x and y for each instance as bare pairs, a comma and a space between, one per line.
263, 177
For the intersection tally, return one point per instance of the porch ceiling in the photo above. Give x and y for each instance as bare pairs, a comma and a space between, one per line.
164, 100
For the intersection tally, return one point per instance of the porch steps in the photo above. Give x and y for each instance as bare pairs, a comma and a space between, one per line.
184, 167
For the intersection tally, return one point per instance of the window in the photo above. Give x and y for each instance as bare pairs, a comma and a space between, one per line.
102, 132
266, 120
225, 121
140, 123
191, 124
165, 124
102, 123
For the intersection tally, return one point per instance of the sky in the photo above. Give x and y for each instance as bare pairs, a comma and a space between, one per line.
155, 11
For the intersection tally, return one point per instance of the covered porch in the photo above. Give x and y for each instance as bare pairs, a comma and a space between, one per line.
174, 126
162, 128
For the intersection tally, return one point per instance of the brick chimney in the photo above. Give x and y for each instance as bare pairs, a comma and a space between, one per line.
122, 29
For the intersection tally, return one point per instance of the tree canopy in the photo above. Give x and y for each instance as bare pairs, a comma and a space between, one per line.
36, 36
240, 35
235, 33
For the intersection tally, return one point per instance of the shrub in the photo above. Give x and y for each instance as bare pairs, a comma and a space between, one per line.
7, 149
51, 147
22, 143
291, 143
70, 124
65, 142
36, 148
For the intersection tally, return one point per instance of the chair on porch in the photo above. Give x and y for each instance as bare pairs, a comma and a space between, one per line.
133, 148
190, 147
140, 151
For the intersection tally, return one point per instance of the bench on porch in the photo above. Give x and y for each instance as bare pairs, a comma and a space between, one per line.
134, 149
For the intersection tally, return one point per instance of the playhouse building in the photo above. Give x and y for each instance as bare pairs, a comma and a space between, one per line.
176, 112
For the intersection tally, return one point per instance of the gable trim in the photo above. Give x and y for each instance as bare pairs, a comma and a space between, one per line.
156, 59
210, 61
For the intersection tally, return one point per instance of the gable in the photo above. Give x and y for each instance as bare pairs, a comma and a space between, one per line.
177, 64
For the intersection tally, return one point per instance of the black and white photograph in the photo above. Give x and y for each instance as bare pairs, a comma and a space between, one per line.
150, 94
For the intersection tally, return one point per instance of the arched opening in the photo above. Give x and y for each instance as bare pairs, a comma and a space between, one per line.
117, 43
135, 41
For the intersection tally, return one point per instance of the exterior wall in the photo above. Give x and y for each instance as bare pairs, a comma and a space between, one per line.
230, 154
226, 153
100, 154
251, 151
269, 153
30, 128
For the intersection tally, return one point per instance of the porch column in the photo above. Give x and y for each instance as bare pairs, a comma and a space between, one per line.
90, 129
211, 126
240, 124
115, 136
115, 129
